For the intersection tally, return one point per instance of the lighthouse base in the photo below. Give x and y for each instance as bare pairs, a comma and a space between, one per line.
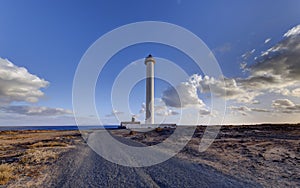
149, 126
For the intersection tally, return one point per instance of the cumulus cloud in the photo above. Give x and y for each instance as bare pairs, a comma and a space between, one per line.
295, 92
277, 70
227, 88
240, 108
17, 84
260, 110
165, 112
205, 112
285, 106
287, 92
183, 95
279, 66
245, 109
160, 109
282, 103
293, 32
35, 110
278, 105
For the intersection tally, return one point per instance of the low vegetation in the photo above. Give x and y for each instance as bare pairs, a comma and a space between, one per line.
48, 144
40, 156
26, 155
6, 173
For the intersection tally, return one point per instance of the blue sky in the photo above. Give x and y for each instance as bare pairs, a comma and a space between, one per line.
49, 38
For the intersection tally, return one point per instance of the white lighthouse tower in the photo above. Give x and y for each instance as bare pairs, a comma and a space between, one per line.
149, 62
149, 120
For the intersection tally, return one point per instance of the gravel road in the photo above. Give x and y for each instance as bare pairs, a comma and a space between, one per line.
82, 167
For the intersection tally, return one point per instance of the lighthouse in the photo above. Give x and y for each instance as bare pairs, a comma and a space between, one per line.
149, 120
149, 62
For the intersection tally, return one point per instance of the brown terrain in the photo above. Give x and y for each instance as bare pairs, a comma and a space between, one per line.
25, 156
266, 154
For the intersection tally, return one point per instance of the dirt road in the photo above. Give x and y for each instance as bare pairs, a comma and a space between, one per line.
82, 167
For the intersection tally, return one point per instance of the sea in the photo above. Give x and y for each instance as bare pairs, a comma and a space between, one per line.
58, 128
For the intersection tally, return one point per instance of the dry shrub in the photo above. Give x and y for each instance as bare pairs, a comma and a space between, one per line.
48, 144
36, 157
6, 173
9, 132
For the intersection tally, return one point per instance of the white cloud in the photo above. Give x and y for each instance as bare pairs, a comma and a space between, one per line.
267, 40
244, 109
166, 112
277, 69
17, 84
205, 112
287, 92
282, 103
255, 102
223, 49
114, 113
240, 108
285, 106
243, 65
160, 110
35, 110
226, 88
184, 95
274, 71
260, 110
248, 54
260, 82
281, 63
296, 92
143, 108
229, 89
294, 31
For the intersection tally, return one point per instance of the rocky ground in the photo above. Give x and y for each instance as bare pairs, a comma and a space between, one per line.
266, 154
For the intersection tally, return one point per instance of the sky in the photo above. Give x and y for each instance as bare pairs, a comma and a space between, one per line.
256, 44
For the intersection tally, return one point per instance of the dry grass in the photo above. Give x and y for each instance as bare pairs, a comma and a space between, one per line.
26, 155
37, 157
48, 144
6, 173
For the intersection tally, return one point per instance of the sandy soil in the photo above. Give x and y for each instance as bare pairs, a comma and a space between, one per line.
266, 154
26, 156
